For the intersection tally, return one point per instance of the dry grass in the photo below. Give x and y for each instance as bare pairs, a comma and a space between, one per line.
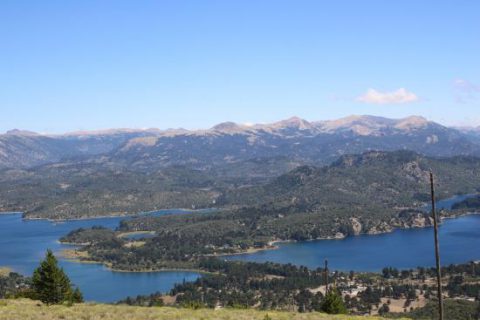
24, 309
396, 305
73, 254
134, 244
4, 271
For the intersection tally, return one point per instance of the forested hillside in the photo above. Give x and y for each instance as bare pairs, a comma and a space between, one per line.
76, 191
370, 193
377, 180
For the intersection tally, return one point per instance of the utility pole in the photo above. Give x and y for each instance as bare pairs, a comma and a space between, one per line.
326, 276
437, 252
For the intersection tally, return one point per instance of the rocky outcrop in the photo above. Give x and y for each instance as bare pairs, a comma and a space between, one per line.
382, 227
415, 172
356, 226
413, 219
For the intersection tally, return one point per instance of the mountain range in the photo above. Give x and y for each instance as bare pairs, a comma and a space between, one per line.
301, 141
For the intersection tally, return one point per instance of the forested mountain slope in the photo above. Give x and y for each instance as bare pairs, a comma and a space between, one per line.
374, 182
370, 193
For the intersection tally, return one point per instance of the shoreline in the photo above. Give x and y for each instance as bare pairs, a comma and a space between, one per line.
68, 255
106, 216
272, 245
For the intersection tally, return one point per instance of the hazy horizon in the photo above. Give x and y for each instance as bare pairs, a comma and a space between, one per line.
247, 124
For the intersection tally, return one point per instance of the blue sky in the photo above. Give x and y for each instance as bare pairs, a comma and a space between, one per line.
76, 65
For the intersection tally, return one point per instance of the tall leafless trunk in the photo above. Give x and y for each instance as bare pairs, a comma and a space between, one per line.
437, 251
326, 276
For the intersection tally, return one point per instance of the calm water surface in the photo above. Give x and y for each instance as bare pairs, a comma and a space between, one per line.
459, 242
23, 244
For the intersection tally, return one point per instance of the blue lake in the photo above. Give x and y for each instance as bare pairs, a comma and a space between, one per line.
459, 242
404, 249
23, 244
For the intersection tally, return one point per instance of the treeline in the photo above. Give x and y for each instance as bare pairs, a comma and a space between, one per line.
94, 234
469, 203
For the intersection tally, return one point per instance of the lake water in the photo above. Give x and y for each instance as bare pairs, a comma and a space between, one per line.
406, 248
459, 242
23, 244
448, 203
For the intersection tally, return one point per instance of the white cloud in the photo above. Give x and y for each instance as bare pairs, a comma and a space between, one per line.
394, 97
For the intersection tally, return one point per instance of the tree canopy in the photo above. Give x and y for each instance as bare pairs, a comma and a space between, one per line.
51, 285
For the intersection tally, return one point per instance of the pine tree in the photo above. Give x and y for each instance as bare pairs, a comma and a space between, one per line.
50, 283
77, 296
383, 309
333, 303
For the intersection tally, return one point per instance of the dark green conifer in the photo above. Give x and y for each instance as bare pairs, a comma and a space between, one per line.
333, 303
50, 283
77, 296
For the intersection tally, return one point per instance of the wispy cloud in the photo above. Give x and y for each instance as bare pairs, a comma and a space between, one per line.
465, 91
393, 97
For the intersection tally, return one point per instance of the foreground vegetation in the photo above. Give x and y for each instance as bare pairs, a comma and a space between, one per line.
281, 287
24, 309
270, 286
49, 284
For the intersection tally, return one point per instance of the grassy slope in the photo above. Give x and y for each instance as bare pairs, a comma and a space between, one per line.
4, 271
27, 309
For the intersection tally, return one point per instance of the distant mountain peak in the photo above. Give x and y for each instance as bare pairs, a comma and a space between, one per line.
293, 122
228, 127
359, 124
18, 132
412, 122
415, 118
365, 125
107, 132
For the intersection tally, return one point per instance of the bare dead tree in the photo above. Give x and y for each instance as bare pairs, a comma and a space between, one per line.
437, 251
326, 276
